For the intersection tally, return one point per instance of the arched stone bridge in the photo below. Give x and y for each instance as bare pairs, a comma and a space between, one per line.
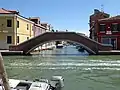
91, 46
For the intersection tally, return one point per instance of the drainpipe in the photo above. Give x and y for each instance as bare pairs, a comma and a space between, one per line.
16, 29
30, 30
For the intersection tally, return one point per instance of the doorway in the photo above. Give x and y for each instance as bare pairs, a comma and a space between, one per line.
114, 43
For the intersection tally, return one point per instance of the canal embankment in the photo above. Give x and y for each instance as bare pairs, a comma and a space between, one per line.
7, 52
12, 53
112, 52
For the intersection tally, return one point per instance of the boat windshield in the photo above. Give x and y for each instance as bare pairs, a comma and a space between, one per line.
23, 86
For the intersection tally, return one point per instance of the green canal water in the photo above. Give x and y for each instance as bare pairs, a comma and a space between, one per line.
80, 71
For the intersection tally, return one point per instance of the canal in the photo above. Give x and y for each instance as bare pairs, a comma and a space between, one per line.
80, 71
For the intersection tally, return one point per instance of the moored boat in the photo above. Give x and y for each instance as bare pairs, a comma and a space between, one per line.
59, 46
55, 83
81, 49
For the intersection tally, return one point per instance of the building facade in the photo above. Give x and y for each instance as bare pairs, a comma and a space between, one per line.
37, 28
93, 22
109, 31
14, 28
105, 29
40, 28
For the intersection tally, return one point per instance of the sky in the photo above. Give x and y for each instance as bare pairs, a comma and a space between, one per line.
72, 15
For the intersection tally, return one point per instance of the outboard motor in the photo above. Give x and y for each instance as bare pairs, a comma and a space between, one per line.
57, 82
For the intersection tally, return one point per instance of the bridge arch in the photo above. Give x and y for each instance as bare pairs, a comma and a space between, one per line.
85, 47
91, 46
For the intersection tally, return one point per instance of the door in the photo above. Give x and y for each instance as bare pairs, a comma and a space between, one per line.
114, 43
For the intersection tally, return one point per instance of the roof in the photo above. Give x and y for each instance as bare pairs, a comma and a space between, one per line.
97, 12
111, 18
5, 11
44, 23
38, 25
34, 17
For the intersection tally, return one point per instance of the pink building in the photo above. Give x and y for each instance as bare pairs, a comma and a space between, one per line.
40, 28
37, 28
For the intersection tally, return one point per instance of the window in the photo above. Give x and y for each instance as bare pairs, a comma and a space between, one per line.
27, 27
17, 24
114, 27
17, 39
9, 23
102, 27
118, 27
106, 40
9, 39
106, 16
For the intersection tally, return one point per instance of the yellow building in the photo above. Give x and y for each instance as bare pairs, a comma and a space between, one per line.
14, 28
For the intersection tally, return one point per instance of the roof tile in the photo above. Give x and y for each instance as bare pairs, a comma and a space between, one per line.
4, 11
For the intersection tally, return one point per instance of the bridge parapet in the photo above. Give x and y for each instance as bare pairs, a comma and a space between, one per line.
104, 47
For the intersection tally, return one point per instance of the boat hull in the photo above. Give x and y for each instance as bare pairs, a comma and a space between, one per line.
59, 46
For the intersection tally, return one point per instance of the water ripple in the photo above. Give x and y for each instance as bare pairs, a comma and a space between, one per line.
65, 64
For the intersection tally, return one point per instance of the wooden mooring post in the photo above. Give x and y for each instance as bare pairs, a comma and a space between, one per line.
3, 75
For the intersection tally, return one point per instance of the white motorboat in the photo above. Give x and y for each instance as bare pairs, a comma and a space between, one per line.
59, 46
56, 83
